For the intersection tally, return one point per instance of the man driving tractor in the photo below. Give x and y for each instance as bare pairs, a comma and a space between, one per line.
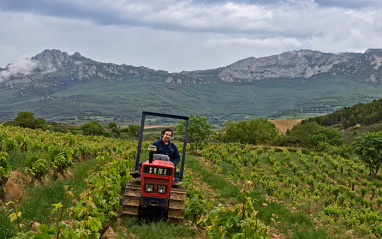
165, 146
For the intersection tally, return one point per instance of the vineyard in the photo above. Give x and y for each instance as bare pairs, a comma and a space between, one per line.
57, 185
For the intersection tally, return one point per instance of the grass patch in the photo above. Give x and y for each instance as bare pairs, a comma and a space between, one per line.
37, 204
224, 188
302, 233
158, 230
7, 229
17, 159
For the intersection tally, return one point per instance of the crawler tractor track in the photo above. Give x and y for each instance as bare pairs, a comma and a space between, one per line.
131, 198
176, 206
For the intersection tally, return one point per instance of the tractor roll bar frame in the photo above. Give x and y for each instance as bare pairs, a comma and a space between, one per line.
144, 113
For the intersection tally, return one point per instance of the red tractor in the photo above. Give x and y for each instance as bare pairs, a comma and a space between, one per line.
156, 184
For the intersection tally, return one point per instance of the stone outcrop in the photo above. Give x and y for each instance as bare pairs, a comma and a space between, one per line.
76, 67
52, 60
305, 64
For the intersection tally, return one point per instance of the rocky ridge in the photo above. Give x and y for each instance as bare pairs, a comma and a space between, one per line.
43, 67
303, 64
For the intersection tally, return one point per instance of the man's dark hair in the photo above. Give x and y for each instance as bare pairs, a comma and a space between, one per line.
167, 129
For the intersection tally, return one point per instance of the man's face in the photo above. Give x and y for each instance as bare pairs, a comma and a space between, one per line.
167, 137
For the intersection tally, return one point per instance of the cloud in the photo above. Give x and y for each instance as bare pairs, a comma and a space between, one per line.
23, 66
356, 4
187, 15
186, 35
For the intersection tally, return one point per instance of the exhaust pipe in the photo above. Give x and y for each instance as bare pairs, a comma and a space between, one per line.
152, 150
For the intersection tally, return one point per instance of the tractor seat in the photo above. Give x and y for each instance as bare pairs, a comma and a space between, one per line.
161, 157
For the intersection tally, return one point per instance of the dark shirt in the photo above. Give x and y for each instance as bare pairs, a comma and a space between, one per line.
168, 149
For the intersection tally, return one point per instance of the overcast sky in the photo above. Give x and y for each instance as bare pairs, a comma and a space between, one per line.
186, 34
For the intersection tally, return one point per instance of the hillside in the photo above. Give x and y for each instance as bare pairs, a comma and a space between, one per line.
300, 84
353, 120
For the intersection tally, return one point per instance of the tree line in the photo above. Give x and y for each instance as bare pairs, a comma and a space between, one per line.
26, 119
361, 113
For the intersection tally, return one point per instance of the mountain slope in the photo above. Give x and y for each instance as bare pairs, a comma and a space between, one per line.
73, 88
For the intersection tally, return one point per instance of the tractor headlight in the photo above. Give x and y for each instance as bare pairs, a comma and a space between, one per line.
149, 188
162, 189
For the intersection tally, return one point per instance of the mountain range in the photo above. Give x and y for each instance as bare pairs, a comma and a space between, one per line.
297, 84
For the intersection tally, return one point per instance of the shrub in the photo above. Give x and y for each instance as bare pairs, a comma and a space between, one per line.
5, 166
92, 128
253, 131
379, 201
363, 191
332, 211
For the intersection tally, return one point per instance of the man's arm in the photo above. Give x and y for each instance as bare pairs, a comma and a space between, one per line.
176, 158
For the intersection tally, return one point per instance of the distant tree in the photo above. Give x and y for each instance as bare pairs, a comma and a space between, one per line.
374, 117
359, 118
125, 129
116, 132
114, 129
134, 130
92, 128
352, 120
199, 131
300, 133
345, 124
25, 119
113, 125
367, 120
253, 131
368, 147
326, 135
57, 127
40, 123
